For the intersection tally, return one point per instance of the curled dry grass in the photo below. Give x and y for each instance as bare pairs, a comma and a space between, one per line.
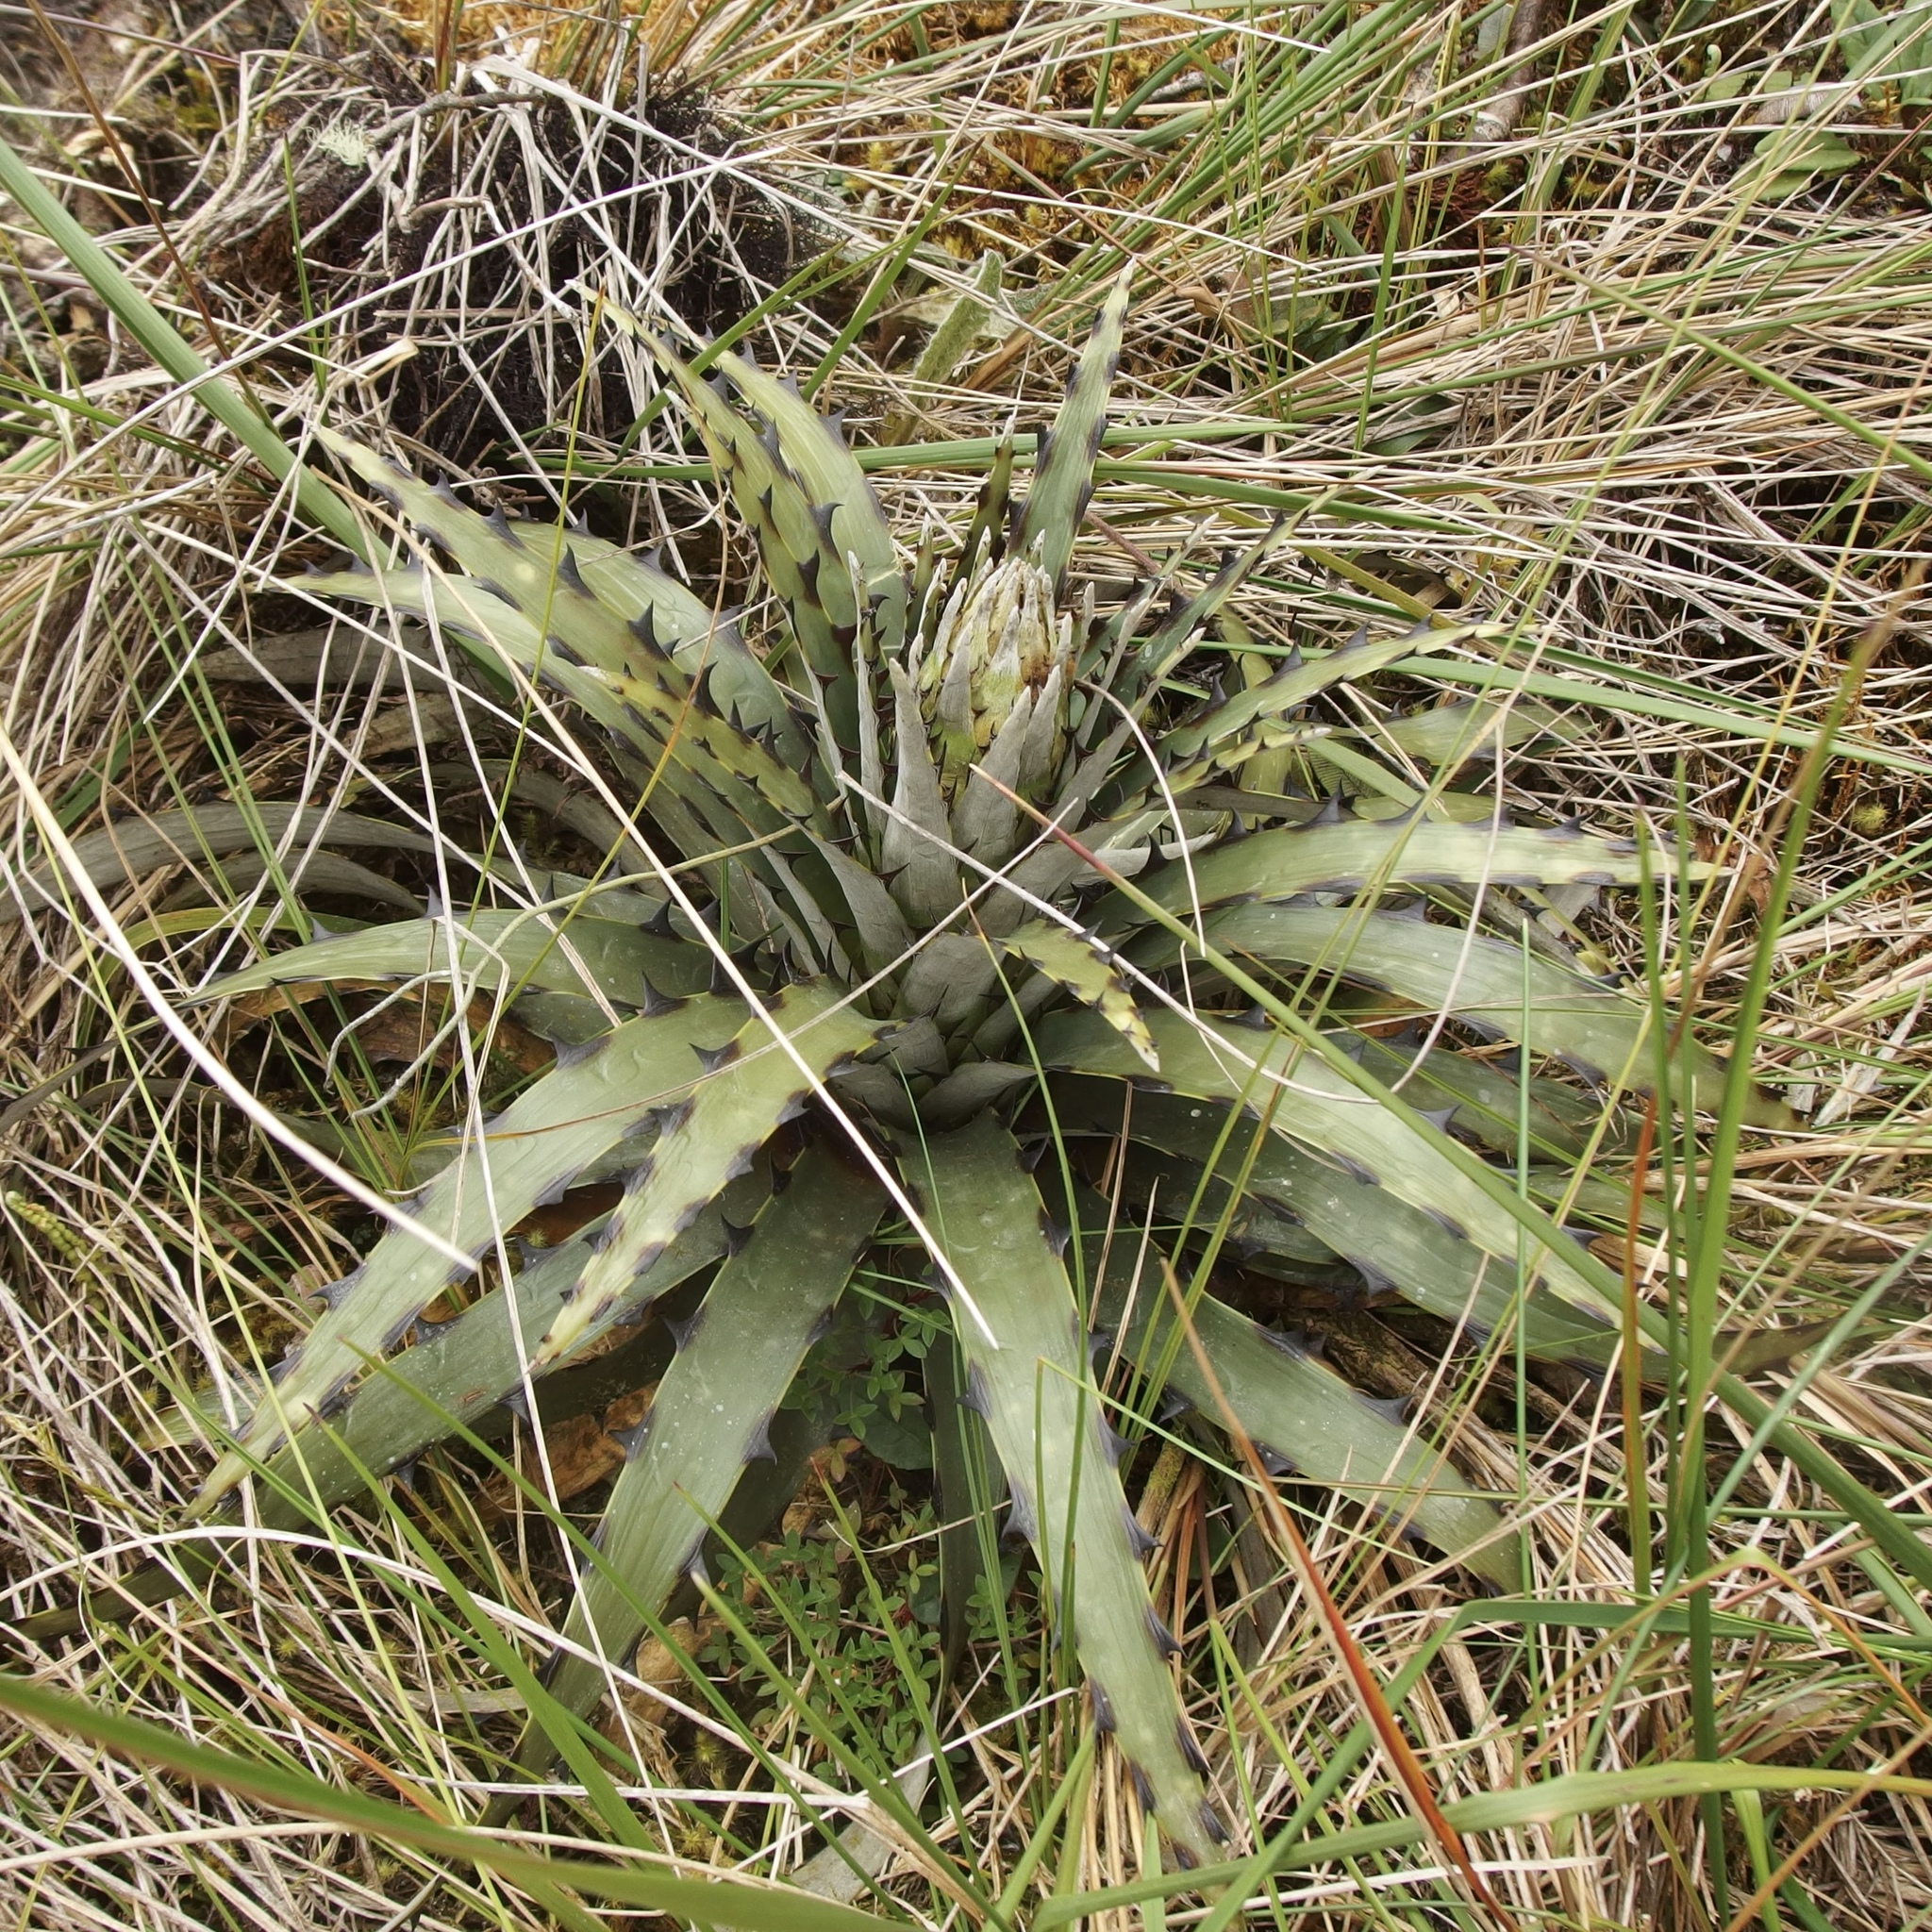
1619, 372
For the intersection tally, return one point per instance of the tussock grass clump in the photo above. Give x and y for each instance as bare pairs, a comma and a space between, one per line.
1567, 361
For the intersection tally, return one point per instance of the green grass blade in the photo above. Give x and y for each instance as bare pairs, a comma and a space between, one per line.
720, 1898
171, 351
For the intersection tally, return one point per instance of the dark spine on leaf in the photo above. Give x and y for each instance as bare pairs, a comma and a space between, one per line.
1103, 1720
1164, 1638
974, 1396
1022, 1524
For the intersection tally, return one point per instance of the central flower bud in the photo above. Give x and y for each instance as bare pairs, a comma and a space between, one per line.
994, 688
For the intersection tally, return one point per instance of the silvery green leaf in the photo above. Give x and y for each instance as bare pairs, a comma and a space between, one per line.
746, 1086
1224, 736
1299, 1410
1523, 996
535, 950
732, 1369
698, 638
1313, 1106
471, 1363
1063, 478
557, 1125
520, 562
914, 849
816, 454
806, 568
131, 848
1043, 1413
1354, 855
1425, 1260
1085, 965
951, 342
1452, 733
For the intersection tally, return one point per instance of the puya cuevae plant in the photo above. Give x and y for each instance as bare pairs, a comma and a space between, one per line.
924, 873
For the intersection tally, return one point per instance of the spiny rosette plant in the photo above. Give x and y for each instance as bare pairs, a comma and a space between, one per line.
923, 877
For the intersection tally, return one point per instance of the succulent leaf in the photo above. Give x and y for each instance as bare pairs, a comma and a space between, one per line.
915, 849
698, 638
817, 456
1044, 1417
1353, 855
1236, 729
534, 567
806, 567
1063, 478
472, 1363
950, 343
883, 934
831, 836
1261, 1234
637, 713
1390, 1244
732, 1371
748, 1085
1085, 966
1526, 997
950, 978
1296, 1406
552, 1130
1316, 1108
490, 949
526, 573
1450, 734
131, 848
997, 653
1485, 1101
